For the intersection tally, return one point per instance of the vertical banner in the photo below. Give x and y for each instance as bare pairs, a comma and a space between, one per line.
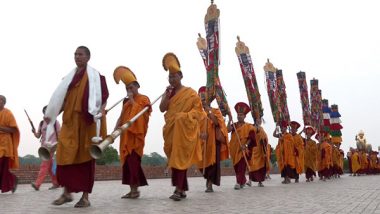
249, 77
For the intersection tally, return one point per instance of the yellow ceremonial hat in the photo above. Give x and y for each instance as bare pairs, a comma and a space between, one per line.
171, 63
124, 74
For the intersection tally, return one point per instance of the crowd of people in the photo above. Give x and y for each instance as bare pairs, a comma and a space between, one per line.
194, 134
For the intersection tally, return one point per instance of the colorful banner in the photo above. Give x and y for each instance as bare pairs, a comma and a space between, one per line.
282, 97
335, 127
209, 50
326, 115
271, 83
304, 95
249, 77
316, 105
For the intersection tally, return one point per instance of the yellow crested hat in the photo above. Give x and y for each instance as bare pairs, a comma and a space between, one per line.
171, 63
124, 74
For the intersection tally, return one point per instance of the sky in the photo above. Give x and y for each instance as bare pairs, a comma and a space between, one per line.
336, 42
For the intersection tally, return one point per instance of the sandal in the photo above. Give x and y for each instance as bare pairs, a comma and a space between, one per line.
62, 199
175, 197
131, 195
82, 203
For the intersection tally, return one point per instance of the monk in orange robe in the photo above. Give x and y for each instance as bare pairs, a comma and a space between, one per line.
311, 152
181, 132
132, 140
325, 157
9, 141
241, 135
355, 162
299, 149
349, 155
269, 153
335, 160
373, 162
214, 143
363, 162
285, 153
82, 96
257, 147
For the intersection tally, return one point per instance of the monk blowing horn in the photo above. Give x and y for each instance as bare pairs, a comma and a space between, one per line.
96, 150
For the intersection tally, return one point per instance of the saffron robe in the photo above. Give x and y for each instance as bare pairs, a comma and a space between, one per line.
133, 139
9, 142
285, 152
299, 152
208, 126
234, 145
310, 155
181, 131
74, 140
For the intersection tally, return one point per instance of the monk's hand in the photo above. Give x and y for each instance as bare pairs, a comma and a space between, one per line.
98, 116
203, 136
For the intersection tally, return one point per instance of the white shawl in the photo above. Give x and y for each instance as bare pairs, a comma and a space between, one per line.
56, 100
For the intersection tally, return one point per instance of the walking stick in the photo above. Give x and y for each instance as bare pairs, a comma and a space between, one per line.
204, 149
96, 150
30, 121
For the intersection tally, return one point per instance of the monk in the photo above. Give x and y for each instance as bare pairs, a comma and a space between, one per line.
257, 147
355, 162
269, 153
373, 162
299, 149
181, 132
311, 151
132, 140
82, 96
325, 157
9, 141
363, 162
285, 153
214, 143
335, 160
241, 135
349, 155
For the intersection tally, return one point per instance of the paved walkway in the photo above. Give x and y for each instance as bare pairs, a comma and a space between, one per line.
345, 195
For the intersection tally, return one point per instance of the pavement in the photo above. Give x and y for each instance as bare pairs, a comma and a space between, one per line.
345, 195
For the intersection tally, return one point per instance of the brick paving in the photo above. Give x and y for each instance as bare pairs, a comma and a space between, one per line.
345, 195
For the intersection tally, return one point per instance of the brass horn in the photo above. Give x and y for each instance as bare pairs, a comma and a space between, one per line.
96, 150
44, 152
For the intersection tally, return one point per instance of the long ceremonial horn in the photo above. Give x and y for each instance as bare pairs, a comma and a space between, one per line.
44, 152
113, 106
96, 150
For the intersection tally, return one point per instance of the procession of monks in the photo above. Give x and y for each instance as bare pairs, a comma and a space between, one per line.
194, 134
363, 160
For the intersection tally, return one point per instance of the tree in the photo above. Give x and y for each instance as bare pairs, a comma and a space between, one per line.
154, 159
29, 160
109, 156
226, 163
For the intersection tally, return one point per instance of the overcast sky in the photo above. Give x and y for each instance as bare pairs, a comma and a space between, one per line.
337, 42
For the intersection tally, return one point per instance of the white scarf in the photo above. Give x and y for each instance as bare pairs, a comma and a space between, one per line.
56, 100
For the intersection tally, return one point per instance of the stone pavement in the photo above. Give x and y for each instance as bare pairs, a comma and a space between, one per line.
345, 195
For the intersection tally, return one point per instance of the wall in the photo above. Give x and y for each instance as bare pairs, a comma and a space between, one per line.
28, 173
